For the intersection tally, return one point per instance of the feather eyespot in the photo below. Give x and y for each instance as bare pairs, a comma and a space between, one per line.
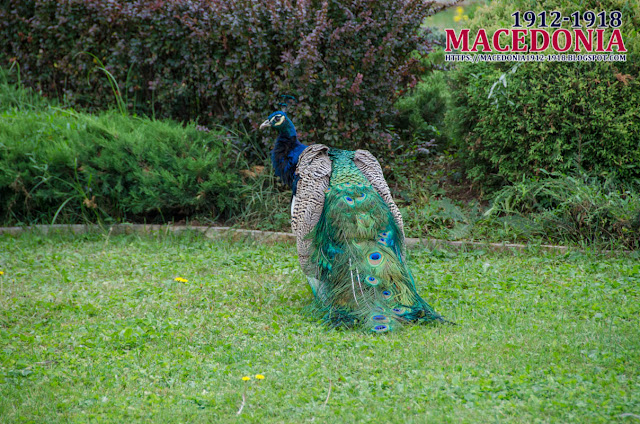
371, 280
349, 200
380, 318
375, 258
386, 294
380, 328
361, 197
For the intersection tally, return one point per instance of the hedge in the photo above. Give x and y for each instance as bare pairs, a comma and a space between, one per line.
62, 165
225, 61
554, 116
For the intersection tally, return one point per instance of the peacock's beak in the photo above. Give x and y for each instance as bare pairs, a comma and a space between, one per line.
265, 124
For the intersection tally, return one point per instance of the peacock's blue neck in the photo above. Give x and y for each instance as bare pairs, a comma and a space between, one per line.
284, 158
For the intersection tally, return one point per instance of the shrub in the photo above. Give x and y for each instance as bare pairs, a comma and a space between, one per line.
421, 116
555, 208
579, 208
442, 219
552, 116
59, 164
225, 60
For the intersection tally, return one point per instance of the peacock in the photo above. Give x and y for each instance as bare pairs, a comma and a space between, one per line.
349, 234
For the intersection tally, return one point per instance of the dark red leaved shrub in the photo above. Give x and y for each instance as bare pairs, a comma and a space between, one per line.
225, 60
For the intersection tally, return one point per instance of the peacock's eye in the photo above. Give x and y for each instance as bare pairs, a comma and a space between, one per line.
277, 120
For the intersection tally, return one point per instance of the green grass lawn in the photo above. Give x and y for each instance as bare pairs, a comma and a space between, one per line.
95, 329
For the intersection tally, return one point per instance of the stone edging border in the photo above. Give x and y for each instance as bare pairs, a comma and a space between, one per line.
271, 236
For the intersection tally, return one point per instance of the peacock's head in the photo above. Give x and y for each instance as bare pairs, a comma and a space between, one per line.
280, 121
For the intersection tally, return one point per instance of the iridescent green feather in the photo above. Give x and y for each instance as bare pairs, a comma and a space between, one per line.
356, 259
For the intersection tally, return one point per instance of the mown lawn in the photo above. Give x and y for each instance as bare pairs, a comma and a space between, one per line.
96, 329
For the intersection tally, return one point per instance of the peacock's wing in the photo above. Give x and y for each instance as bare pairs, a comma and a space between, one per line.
370, 167
314, 172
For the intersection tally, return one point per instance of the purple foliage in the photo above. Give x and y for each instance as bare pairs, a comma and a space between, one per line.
226, 61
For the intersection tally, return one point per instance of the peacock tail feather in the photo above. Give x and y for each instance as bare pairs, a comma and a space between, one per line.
356, 267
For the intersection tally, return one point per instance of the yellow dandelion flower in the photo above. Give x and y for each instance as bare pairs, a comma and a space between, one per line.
459, 10
1, 272
246, 378
456, 18
259, 376
181, 280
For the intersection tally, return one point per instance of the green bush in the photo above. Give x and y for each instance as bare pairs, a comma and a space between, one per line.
442, 218
225, 61
580, 209
421, 113
509, 121
63, 165
556, 208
